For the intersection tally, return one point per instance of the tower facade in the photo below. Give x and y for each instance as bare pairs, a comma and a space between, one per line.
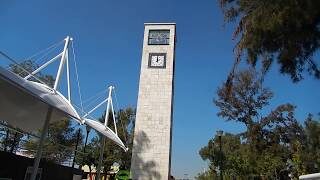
151, 152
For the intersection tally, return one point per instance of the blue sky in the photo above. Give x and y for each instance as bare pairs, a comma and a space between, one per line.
108, 42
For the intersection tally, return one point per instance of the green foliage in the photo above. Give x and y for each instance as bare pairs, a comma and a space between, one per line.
60, 143
270, 139
234, 159
125, 126
126, 122
30, 66
90, 156
113, 153
309, 148
286, 31
123, 175
244, 100
298, 159
207, 175
10, 140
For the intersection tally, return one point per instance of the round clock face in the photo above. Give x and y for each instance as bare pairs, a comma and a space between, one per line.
157, 60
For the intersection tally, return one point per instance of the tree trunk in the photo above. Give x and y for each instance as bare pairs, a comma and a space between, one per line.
13, 145
6, 141
90, 177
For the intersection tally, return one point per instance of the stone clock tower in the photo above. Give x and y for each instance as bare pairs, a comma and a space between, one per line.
151, 153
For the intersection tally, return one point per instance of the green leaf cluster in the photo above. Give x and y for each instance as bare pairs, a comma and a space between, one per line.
273, 145
59, 144
285, 31
112, 153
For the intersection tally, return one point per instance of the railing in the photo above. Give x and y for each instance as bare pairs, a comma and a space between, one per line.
7, 143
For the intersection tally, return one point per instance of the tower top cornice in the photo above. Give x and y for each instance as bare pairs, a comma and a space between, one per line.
169, 23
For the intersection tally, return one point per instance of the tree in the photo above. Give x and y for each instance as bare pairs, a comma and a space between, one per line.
273, 145
4, 137
10, 139
234, 157
244, 103
125, 119
91, 156
30, 66
267, 135
306, 156
286, 31
59, 144
207, 175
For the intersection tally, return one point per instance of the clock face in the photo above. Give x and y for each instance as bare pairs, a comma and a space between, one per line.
159, 37
157, 60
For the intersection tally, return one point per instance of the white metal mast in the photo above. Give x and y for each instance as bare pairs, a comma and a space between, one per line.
63, 60
103, 140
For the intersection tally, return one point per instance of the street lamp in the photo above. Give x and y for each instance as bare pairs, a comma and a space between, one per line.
219, 134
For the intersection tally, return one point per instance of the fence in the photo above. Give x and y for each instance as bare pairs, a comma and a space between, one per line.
15, 157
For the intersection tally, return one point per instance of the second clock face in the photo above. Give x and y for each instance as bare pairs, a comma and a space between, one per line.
157, 60
159, 37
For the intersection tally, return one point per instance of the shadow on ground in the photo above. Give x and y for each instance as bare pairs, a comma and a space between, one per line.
142, 169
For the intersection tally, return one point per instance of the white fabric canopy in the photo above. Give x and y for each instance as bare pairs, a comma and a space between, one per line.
24, 104
106, 131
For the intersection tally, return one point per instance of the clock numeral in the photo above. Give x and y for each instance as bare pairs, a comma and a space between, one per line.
154, 58
160, 58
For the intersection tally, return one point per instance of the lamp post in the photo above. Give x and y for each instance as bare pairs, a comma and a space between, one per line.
219, 134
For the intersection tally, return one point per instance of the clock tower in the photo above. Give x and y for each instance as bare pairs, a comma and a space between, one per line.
151, 152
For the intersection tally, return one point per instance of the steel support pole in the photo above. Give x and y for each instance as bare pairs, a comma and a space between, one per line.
103, 143
40, 145
63, 56
85, 143
106, 118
